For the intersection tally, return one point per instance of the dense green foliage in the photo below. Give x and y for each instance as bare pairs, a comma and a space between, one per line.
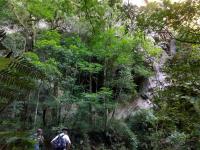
75, 63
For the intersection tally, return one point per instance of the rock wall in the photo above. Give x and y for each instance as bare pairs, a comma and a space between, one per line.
151, 85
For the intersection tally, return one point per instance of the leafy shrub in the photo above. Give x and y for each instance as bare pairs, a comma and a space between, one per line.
177, 139
15, 141
123, 131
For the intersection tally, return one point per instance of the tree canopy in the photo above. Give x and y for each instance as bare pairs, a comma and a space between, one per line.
85, 63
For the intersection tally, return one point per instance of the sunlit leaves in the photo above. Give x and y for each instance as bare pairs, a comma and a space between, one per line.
49, 67
89, 67
48, 39
111, 45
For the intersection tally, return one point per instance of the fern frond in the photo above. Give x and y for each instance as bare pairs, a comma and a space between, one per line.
11, 93
10, 78
18, 75
24, 66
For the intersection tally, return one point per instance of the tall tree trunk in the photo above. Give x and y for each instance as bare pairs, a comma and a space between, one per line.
59, 113
44, 117
91, 113
105, 115
26, 110
96, 84
14, 110
105, 72
30, 34
56, 111
90, 82
36, 109
29, 41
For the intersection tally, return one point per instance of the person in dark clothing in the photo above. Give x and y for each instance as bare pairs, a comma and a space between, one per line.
61, 141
